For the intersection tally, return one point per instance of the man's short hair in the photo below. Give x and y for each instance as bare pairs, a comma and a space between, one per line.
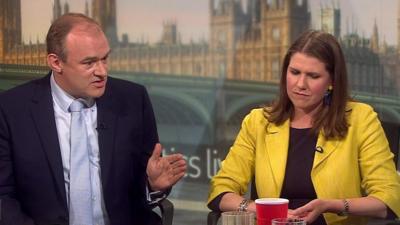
60, 28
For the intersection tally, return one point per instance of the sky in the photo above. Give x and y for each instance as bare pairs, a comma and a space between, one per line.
143, 19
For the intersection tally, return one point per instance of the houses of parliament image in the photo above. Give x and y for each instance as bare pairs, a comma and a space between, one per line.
245, 43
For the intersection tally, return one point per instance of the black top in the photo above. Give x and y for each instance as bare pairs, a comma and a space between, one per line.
297, 185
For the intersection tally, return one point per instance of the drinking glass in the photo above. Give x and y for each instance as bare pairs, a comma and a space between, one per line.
287, 221
237, 218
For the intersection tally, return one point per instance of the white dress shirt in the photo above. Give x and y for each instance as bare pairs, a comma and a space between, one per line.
61, 102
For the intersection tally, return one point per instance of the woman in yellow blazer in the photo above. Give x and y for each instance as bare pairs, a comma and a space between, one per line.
326, 153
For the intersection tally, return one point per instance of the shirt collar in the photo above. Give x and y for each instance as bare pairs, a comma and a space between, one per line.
62, 98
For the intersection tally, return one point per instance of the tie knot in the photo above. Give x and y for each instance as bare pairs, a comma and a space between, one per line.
76, 106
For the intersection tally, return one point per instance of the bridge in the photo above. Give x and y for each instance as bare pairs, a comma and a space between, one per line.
198, 110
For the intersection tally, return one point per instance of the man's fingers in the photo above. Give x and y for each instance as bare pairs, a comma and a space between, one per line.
179, 167
180, 163
174, 158
156, 152
180, 175
177, 177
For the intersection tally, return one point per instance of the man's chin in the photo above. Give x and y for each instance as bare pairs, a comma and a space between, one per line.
96, 93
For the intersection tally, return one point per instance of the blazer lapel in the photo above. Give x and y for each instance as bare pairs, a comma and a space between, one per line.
106, 122
277, 145
43, 116
324, 149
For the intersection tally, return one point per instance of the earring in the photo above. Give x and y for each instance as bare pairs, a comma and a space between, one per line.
328, 96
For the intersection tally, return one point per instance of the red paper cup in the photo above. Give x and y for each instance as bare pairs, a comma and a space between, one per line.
271, 208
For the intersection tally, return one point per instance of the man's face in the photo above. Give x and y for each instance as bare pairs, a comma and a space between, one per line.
84, 72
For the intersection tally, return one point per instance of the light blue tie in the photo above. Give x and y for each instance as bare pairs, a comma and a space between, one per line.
80, 191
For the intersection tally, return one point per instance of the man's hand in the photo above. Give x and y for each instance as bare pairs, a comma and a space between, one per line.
163, 172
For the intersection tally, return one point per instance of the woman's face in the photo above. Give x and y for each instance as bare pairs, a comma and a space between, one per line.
307, 80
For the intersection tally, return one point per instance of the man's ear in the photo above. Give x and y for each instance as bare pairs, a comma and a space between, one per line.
54, 62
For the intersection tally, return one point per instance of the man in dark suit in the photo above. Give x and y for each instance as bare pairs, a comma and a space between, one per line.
35, 129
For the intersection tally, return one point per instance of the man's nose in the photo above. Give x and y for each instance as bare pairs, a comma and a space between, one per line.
101, 68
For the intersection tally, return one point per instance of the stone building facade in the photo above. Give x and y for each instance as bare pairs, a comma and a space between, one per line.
246, 42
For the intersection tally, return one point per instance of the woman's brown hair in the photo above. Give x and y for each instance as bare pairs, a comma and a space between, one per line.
331, 117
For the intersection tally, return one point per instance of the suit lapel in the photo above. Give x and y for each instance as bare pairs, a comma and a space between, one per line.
106, 122
277, 145
43, 116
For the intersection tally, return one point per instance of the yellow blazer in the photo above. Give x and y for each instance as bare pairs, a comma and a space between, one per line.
361, 164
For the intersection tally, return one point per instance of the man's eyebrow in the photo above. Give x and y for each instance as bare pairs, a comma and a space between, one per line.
94, 58
89, 59
107, 54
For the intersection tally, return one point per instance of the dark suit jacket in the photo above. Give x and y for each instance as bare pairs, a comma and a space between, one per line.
31, 173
